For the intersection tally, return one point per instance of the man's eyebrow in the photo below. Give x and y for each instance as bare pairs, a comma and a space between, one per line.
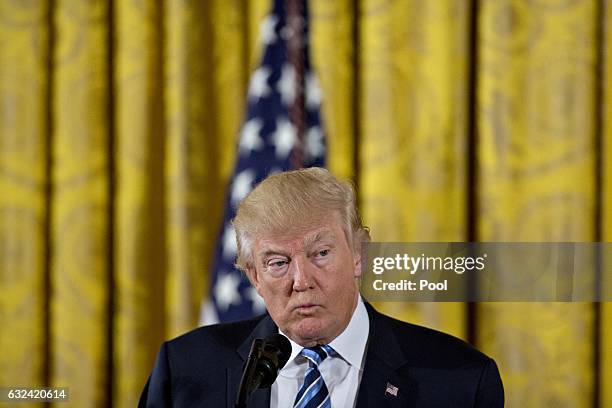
319, 236
269, 252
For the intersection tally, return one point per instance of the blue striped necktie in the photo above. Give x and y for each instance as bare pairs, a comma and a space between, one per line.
313, 393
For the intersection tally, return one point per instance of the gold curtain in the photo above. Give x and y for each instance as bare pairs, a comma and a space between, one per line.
537, 182
487, 120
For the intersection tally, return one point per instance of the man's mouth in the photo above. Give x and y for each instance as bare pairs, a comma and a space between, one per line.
306, 307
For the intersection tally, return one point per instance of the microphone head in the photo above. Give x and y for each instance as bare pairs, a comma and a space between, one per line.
275, 353
281, 345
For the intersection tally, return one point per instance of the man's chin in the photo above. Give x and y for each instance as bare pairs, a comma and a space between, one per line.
308, 332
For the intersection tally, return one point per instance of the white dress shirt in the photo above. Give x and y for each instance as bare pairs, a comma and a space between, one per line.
341, 373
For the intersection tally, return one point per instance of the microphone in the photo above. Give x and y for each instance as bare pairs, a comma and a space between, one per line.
266, 358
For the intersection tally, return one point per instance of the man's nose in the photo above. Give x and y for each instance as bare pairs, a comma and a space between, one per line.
303, 278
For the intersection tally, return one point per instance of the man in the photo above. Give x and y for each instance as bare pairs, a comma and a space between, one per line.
299, 242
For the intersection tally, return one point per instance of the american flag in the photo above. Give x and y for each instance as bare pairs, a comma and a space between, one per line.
391, 390
282, 131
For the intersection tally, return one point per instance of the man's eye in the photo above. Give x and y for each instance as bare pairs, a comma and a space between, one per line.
324, 252
277, 263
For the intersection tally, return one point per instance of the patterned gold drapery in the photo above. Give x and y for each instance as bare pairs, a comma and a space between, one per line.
486, 120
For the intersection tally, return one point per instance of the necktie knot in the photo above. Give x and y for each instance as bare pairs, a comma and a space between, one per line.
317, 354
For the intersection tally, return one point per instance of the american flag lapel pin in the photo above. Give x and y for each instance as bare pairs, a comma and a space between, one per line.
391, 390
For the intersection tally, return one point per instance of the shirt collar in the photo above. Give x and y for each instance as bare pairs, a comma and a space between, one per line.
351, 343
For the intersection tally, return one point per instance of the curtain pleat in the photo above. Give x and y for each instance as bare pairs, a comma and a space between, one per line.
536, 158
139, 200
333, 54
190, 121
24, 84
605, 332
80, 202
412, 157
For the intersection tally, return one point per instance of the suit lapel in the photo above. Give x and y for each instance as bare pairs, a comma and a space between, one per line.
261, 397
382, 385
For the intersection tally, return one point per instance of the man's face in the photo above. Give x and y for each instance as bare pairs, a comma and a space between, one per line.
307, 278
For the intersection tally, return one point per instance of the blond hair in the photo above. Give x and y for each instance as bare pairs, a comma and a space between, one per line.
295, 199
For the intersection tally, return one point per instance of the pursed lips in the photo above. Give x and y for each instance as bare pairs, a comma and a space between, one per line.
305, 306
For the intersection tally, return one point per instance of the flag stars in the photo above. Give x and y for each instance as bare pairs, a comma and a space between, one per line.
250, 139
313, 143
242, 185
230, 247
267, 30
313, 92
287, 84
258, 87
257, 301
226, 290
284, 138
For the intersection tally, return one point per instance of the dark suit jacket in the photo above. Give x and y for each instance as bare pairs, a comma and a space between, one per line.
430, 369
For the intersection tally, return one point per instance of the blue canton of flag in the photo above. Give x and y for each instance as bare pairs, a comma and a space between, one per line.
272, 139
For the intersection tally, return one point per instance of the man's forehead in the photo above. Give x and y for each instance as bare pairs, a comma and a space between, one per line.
302, 235
298, 236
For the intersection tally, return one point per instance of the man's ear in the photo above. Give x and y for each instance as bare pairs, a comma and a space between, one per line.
357, 263
357, 245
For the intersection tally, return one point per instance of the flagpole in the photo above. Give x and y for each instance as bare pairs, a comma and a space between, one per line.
295, 57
